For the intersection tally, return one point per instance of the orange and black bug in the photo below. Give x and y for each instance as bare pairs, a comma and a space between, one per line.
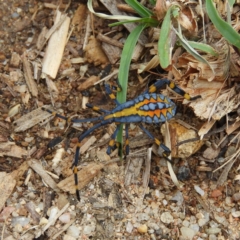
149, 107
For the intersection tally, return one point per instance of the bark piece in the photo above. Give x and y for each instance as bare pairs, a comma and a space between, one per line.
56, 45
28, 74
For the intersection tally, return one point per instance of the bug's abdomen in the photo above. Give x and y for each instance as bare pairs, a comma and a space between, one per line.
148, 108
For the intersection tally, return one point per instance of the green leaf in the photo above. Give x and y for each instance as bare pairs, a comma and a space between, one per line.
148, 20
139, 8
124, 67
223, 27
191, 50
164, 44
203, 47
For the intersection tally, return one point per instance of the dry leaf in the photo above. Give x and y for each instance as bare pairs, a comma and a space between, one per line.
94, 53
179, 133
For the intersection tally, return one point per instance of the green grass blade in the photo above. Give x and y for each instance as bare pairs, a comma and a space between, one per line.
164, 48
192, 51
124, 67
203, 47
139, 8
223, 27
148, 20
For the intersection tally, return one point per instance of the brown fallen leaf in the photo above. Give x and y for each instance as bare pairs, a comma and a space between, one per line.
179, 133
94, 53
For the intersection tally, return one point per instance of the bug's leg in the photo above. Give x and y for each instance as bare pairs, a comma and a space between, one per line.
95, 108
166, 151
111, 144
77, 153
162, 82
72, 120
110, 93
126, 140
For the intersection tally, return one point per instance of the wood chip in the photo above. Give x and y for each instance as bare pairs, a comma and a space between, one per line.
12, 150
28, 75
88, 83
38, 168
31, 119
85, 176
7, 184
56, 45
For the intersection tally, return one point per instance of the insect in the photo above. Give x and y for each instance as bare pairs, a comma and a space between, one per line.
149, 107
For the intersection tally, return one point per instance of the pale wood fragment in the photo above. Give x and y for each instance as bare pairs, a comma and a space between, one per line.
31, 119
28, 74
206, 128
56, 44
6, 79
113, 53
38, 168
232, 128
41, 41
87, 144
88, 83
7, 184
106, 39
137, 52
15, 60
85, 176
12, 150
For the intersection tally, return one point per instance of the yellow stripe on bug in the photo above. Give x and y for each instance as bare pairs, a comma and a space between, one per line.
111, 142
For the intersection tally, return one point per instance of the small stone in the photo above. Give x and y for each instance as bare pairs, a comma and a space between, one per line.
142, 228
159, 194
185, 223
199, 190
211, 153
194, 227
212, 237
153, 225
62, 201
178, 197
18, 228
142, 216
53, 213
166, 217
43, 221
165, 202
187, 233
23, 221
73, 231
236, 197
228, 201
213, 230
68, 237
88, 229
236, 214
65, 218
129, 227
216, 193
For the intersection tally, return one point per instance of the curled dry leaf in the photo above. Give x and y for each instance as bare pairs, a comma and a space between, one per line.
94, 53
160, 9
187, 20
179, 133
216, 101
